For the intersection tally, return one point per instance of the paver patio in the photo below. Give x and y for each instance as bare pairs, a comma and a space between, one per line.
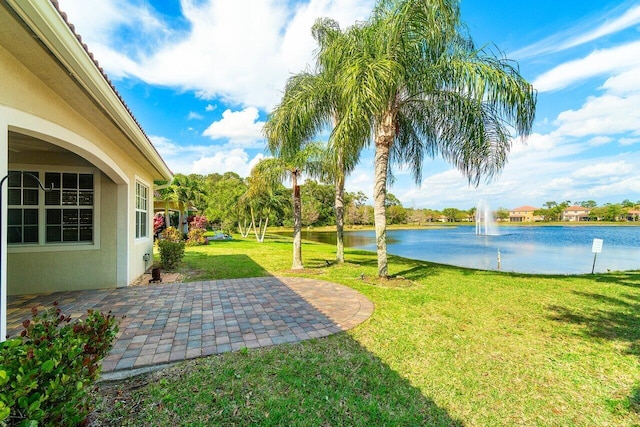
171, 322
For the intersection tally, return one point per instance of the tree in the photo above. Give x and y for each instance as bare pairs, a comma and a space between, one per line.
265, 193
590, 204
451, 214
413, 79
292, 159
312, 102
502, 214
187, 192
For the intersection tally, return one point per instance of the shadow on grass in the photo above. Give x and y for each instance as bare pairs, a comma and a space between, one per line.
605, 317
329, 381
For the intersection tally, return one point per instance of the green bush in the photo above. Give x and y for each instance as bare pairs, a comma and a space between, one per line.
171, 254
45, 373
196, 237
172, 234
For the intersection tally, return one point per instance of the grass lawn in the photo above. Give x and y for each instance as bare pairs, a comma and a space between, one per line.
445, 346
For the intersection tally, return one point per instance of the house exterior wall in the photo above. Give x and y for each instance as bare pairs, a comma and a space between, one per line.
522, 215
30, 107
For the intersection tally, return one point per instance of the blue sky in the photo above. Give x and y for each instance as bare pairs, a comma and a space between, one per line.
201, 76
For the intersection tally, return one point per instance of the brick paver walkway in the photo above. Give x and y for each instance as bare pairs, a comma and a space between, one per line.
171, 322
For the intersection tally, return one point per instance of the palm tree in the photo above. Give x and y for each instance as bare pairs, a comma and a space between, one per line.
291, 161
265, 193
186, 191
414, 80
309, 104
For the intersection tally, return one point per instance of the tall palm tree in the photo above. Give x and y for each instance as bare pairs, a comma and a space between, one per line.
309, 104
291, 162
416, 81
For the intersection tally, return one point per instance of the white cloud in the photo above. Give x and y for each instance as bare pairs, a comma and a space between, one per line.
601, 170
236, 160
629, 141
599, 140
603, 115
194, 116
210, 107
239, 50
583, 33
241, 128
600, 62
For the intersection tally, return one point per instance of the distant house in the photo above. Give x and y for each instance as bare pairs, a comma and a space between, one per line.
63, 124
633, 215
523, 214
576, 213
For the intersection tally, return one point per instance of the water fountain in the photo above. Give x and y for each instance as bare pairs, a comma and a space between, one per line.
485, 220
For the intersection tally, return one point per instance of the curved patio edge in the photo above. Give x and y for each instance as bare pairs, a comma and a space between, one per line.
162, 324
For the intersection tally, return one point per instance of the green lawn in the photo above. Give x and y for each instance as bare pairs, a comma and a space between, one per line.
445, 346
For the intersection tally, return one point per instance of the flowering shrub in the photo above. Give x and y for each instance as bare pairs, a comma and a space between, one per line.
172, 234
196, 237
198, 222
158, 223
44, 373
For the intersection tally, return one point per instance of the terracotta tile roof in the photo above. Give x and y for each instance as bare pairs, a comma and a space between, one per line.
525, 208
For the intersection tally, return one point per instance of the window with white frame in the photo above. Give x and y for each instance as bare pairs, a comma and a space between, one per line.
65, 213
142, 210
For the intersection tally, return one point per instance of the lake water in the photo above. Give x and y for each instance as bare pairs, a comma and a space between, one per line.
539, 249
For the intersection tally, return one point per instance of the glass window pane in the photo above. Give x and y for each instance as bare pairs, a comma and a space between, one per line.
143, 224
30, 197
15, 196
70, 180
54, 216
15, 179
86, 234
85, 181
52, 197
31, 234
54, 233
69, 234
85, 198
29, 180
70, 197
14, 234
70, 216
52, 178
30, 217
14, 217
86, 216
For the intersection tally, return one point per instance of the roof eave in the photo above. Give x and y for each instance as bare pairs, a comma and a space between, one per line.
54, 32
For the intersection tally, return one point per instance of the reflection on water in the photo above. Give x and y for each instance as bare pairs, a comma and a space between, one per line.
545, 249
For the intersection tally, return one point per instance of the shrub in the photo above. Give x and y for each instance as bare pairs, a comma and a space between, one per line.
171, 253
196, 237
158, 223
172, 234
45, 373
198, 222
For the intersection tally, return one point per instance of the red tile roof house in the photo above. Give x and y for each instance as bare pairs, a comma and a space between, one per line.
62, 121
575, 213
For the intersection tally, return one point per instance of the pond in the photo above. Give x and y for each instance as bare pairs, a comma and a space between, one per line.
535, 249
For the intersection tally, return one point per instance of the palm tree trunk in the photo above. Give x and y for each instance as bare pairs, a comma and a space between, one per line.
297, 223
385, 134
263, 231
339, 202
